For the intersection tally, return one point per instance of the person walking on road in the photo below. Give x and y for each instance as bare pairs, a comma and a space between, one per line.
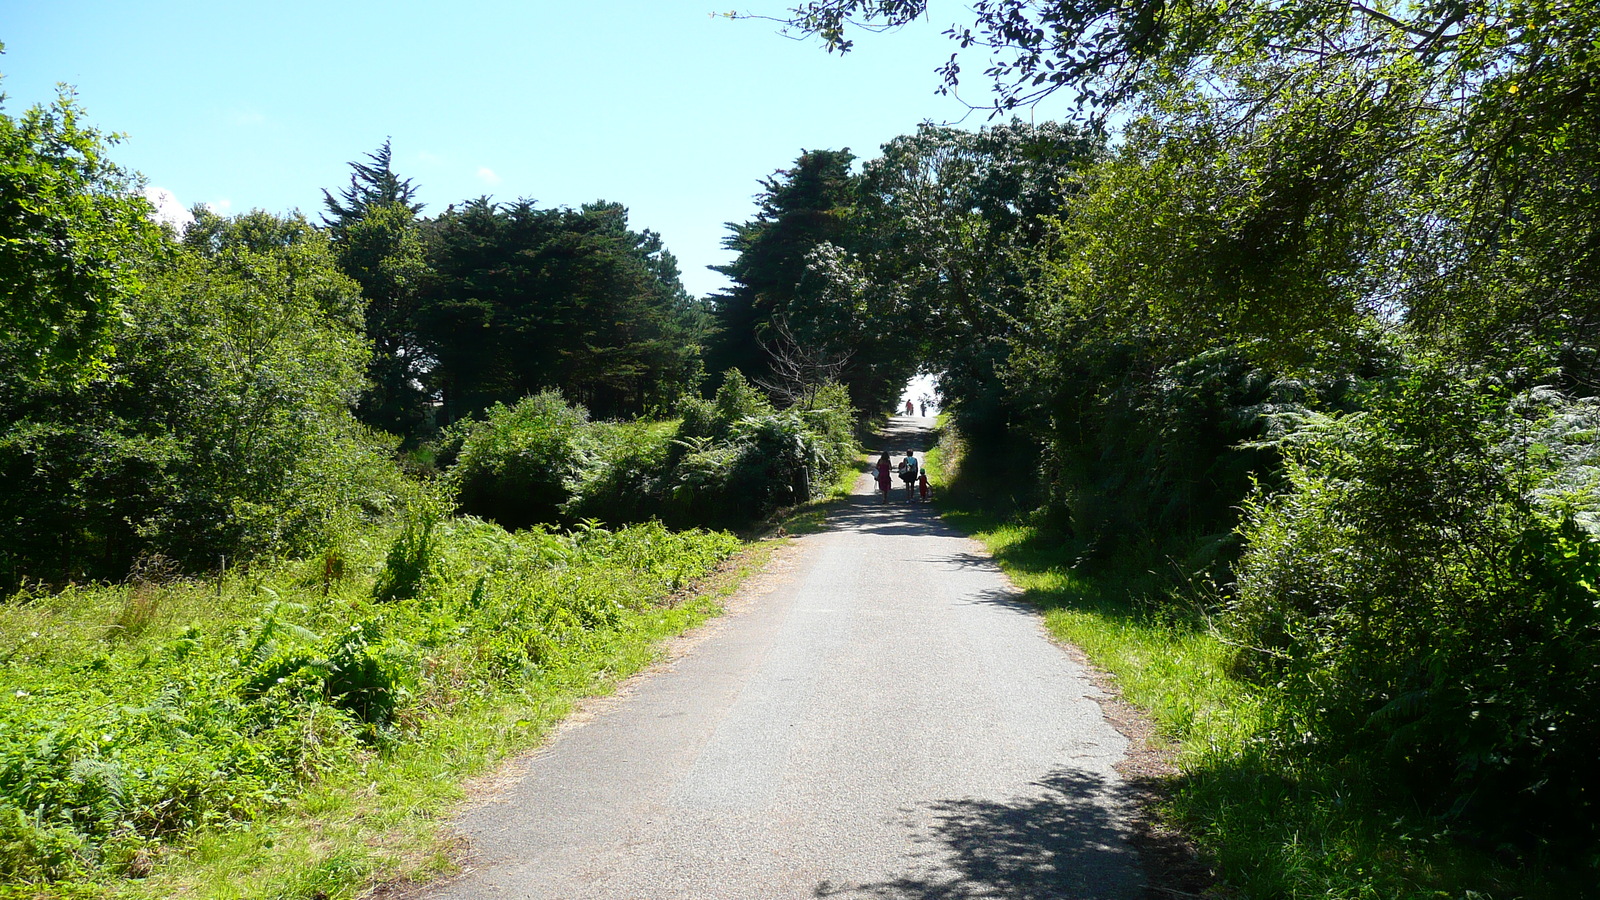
885, 482
908, 472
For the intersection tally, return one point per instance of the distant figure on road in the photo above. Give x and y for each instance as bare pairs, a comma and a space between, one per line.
908, 407
924, 409
922, 485
885, 482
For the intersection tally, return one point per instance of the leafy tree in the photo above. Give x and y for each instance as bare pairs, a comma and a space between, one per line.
1111, 51
955, 219
1475, 111
221, 426
74, 235
920, 260
266, 330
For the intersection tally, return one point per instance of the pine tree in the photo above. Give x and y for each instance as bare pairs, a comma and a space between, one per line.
374, 227
370, 186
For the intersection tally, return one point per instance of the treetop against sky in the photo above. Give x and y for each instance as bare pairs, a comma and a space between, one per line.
663, 106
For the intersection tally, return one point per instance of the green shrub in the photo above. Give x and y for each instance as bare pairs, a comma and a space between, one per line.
737, 399
1152, 460
623, 480
727, 462
32, 849
521, 463
409, 560
748, 459
363, 676
832, 421
697, 417
1427, 609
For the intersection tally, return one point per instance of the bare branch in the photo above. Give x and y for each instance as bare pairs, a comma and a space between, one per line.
798, 370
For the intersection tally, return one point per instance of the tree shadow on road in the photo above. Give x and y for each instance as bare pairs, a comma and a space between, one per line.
1059, 843
868, 513
1009, 599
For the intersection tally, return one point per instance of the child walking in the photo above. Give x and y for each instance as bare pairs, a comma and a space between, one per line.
922, 484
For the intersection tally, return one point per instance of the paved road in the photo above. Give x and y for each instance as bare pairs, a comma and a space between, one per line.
886, 721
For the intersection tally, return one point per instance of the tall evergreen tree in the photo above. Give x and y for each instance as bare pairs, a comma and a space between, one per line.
371, 184
527, 299
374, 227
805, 215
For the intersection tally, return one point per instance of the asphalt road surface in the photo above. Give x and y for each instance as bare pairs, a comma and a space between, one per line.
885, 720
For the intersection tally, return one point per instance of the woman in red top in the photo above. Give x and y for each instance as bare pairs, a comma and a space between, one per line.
885, 481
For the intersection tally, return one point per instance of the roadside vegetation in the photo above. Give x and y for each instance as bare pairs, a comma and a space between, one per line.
251, 642
728, 461
172, 728
1282, 396
1269, 820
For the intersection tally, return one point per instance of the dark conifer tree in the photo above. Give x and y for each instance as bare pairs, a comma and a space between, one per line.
801, 209
374, 184
527, 299
373, 223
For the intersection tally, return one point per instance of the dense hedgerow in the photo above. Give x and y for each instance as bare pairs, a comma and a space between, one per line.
743, 458
623, 480
1423, 601
729, 461
132, 715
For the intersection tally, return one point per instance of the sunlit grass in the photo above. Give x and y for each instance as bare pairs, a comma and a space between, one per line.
385, 818
370, 811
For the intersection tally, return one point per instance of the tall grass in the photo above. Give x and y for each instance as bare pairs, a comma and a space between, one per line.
296, 729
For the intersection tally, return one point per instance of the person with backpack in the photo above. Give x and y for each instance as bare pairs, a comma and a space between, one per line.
908, 472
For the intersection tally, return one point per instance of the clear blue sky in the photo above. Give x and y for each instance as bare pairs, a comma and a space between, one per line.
651, 103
